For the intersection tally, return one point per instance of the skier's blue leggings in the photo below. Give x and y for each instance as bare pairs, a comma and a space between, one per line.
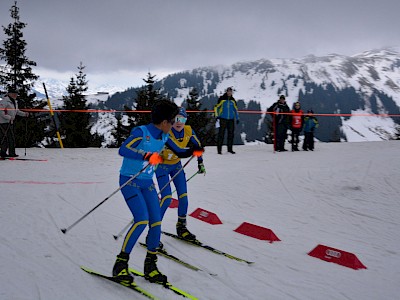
163, 173
141, 197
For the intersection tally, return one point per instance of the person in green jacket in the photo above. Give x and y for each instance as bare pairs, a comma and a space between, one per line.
226, 112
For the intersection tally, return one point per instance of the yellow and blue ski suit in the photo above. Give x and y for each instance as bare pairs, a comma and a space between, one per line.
177, 142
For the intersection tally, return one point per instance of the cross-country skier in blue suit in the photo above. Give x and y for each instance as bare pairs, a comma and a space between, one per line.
142, 149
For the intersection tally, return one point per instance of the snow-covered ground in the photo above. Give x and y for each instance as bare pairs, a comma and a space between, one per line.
343, 195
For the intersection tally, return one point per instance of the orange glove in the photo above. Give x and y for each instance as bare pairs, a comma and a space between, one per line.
153, 158
198, 152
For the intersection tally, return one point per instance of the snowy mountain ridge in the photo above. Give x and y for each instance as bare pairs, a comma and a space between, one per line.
263, 80
365, 83
57, 88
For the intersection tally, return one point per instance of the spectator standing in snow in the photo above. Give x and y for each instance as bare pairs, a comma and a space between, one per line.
226, 112
296, 125
310, 123
281, 121
8, 111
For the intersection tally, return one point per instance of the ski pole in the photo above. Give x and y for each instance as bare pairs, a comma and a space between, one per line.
177, 173
274, 125
64, 230
53, 118
116, 237
159, 193
187, 180
26, 134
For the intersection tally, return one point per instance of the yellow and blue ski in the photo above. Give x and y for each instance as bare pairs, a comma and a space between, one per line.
132, 286
168, 285
212, 249
164, 253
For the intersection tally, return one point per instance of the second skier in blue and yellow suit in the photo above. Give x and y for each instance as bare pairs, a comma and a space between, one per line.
179, 138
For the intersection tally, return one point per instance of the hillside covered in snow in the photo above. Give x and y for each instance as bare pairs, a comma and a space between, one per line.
357, 97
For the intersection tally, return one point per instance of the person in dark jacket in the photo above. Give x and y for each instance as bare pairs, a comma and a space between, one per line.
310, 123
226, 112
296, 125
8, 111
281, 121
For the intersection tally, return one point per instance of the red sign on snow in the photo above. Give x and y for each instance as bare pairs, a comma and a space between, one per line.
257, 232
206, 216
337, 256
174, 203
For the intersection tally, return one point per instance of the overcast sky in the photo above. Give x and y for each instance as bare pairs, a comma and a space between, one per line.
119, 41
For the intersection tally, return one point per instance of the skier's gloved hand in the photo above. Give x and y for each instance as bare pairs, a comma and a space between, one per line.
197, 151
154, 158
202, 169
237, 121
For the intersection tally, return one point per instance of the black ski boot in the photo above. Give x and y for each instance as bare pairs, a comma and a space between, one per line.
183, 232
160, 244
120, 270
151, 272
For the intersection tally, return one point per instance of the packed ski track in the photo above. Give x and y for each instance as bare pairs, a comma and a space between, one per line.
344, 195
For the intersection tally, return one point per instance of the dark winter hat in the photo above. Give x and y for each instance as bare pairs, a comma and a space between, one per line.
182, 112
163, 110
310, 111
229, 89
12, 91
282, 97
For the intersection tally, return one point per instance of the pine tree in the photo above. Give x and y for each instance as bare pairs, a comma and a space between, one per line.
17, 74
75, 122
121, 132
198, 119
250, 122
146, 96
